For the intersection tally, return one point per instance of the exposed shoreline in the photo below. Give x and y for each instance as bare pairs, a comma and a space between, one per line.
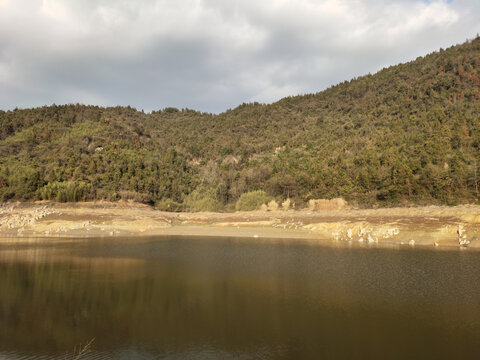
432, 226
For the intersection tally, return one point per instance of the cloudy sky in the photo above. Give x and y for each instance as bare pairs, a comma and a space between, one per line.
210, 55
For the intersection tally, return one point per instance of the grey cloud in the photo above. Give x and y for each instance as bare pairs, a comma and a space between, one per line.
212, 54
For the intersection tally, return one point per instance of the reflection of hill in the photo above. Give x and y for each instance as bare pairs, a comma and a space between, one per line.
177, 295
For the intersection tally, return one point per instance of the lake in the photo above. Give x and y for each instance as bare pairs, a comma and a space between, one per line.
227, 298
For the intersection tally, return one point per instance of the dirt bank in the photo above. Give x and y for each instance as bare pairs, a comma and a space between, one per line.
429, 226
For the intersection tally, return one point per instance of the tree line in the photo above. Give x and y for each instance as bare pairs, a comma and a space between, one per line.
409, 134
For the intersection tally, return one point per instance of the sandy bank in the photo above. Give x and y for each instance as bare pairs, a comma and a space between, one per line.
429, 226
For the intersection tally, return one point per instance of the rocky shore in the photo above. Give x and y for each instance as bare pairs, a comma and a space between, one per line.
433, 226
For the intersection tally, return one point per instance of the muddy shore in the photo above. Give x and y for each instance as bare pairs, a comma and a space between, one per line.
452, 227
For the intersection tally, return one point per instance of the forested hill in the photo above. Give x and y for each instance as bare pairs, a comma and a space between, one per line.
409, 134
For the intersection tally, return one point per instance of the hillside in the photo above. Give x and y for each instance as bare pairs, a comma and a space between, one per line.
410, 134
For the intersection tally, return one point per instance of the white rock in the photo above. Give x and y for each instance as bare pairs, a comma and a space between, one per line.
349, 233
362, 232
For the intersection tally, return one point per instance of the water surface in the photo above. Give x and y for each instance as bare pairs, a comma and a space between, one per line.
221, 298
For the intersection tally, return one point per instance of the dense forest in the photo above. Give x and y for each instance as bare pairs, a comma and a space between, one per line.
410, 134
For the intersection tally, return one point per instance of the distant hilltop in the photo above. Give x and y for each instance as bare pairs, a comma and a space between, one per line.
410, 134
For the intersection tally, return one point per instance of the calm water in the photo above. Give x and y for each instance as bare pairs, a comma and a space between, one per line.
202, 298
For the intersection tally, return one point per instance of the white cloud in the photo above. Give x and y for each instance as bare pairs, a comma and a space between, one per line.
422, 16
210, 54
54, 10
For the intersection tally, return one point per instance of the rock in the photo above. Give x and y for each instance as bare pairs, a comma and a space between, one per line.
349, 234
391, 233
462, 236
411, 242
362, 231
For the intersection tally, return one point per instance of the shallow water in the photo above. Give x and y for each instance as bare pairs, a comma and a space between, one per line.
221, 298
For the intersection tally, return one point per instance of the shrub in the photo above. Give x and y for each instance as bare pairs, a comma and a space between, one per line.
252, 200
135, 196
168, 205
23, 182
67, 191
272, 206
202, 199
287, 204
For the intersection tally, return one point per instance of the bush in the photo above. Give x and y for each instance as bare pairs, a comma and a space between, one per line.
202, 199
135, 196
67, 191
22, 181
252, 200
168, 205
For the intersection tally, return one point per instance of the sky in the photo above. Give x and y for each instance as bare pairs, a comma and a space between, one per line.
210, 55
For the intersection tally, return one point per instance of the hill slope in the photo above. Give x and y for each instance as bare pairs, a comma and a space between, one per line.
408, 134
